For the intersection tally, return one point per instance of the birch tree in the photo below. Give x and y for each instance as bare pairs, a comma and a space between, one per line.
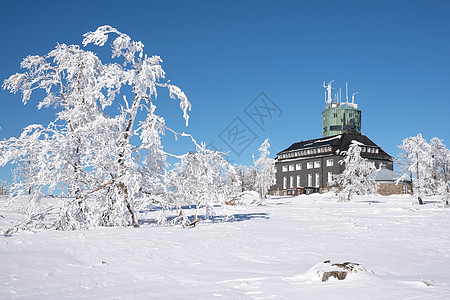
265, 170
106, 165
417, 162
440, 172
203, 178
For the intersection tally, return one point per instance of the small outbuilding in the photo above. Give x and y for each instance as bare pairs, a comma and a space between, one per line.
387, 182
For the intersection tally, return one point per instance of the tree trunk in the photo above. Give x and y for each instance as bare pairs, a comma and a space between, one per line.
127, 202
122, 145
417, 168
420, 200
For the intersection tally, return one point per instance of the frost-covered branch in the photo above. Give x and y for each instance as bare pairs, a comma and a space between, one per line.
88, 156
357, 177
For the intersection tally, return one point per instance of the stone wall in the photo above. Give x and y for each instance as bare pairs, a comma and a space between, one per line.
386, 189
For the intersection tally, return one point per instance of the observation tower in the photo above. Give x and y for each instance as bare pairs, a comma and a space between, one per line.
340, 117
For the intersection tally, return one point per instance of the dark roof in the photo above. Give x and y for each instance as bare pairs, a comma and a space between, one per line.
340, 142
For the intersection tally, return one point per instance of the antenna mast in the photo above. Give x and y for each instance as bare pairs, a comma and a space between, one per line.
353, 97
328, 98
346, 92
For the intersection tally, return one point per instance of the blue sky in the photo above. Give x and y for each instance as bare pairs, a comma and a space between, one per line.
224, 54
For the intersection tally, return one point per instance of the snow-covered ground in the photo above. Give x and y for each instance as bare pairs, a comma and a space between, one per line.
271, 251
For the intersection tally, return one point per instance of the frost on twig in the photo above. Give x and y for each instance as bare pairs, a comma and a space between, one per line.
107, 168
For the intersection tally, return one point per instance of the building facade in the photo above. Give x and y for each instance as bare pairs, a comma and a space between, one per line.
310, 165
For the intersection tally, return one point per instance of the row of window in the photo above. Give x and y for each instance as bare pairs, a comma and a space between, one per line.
309, 165
342, 127
335, 115
310, 182
369, 150
306, 152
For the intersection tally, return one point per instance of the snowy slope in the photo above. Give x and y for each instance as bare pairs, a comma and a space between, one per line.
272, 251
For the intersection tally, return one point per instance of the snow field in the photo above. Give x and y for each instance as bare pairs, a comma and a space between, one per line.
264, 252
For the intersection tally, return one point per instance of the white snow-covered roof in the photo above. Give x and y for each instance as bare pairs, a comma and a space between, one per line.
357, 143
384, 174
341, 143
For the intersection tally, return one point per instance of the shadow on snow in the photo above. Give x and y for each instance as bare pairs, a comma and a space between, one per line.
212, 219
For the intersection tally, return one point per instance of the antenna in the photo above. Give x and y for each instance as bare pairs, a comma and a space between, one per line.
340, 95
328, 100
346, 92
353, 97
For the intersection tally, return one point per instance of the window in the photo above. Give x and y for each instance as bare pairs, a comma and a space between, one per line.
291, 181
363, 149
284, 182
350, 115
310, 180
317, 164
291, 168
310, 165
298, 167
330, 177
285, 168
376, 150
335, 127
298, 181
317, 180
335, 115
349, 127
330, 162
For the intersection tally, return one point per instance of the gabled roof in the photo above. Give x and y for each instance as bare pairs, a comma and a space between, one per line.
340, 142
386, 175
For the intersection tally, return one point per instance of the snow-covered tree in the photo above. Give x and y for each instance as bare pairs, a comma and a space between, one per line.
203, 178
428, 166
96, 152
265, 170
247, 176
357, 177
417, 161
440, 168
3, 188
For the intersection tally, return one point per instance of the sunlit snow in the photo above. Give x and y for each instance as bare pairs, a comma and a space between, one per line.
270, 251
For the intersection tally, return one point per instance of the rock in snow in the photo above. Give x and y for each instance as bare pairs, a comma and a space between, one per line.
339, 270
